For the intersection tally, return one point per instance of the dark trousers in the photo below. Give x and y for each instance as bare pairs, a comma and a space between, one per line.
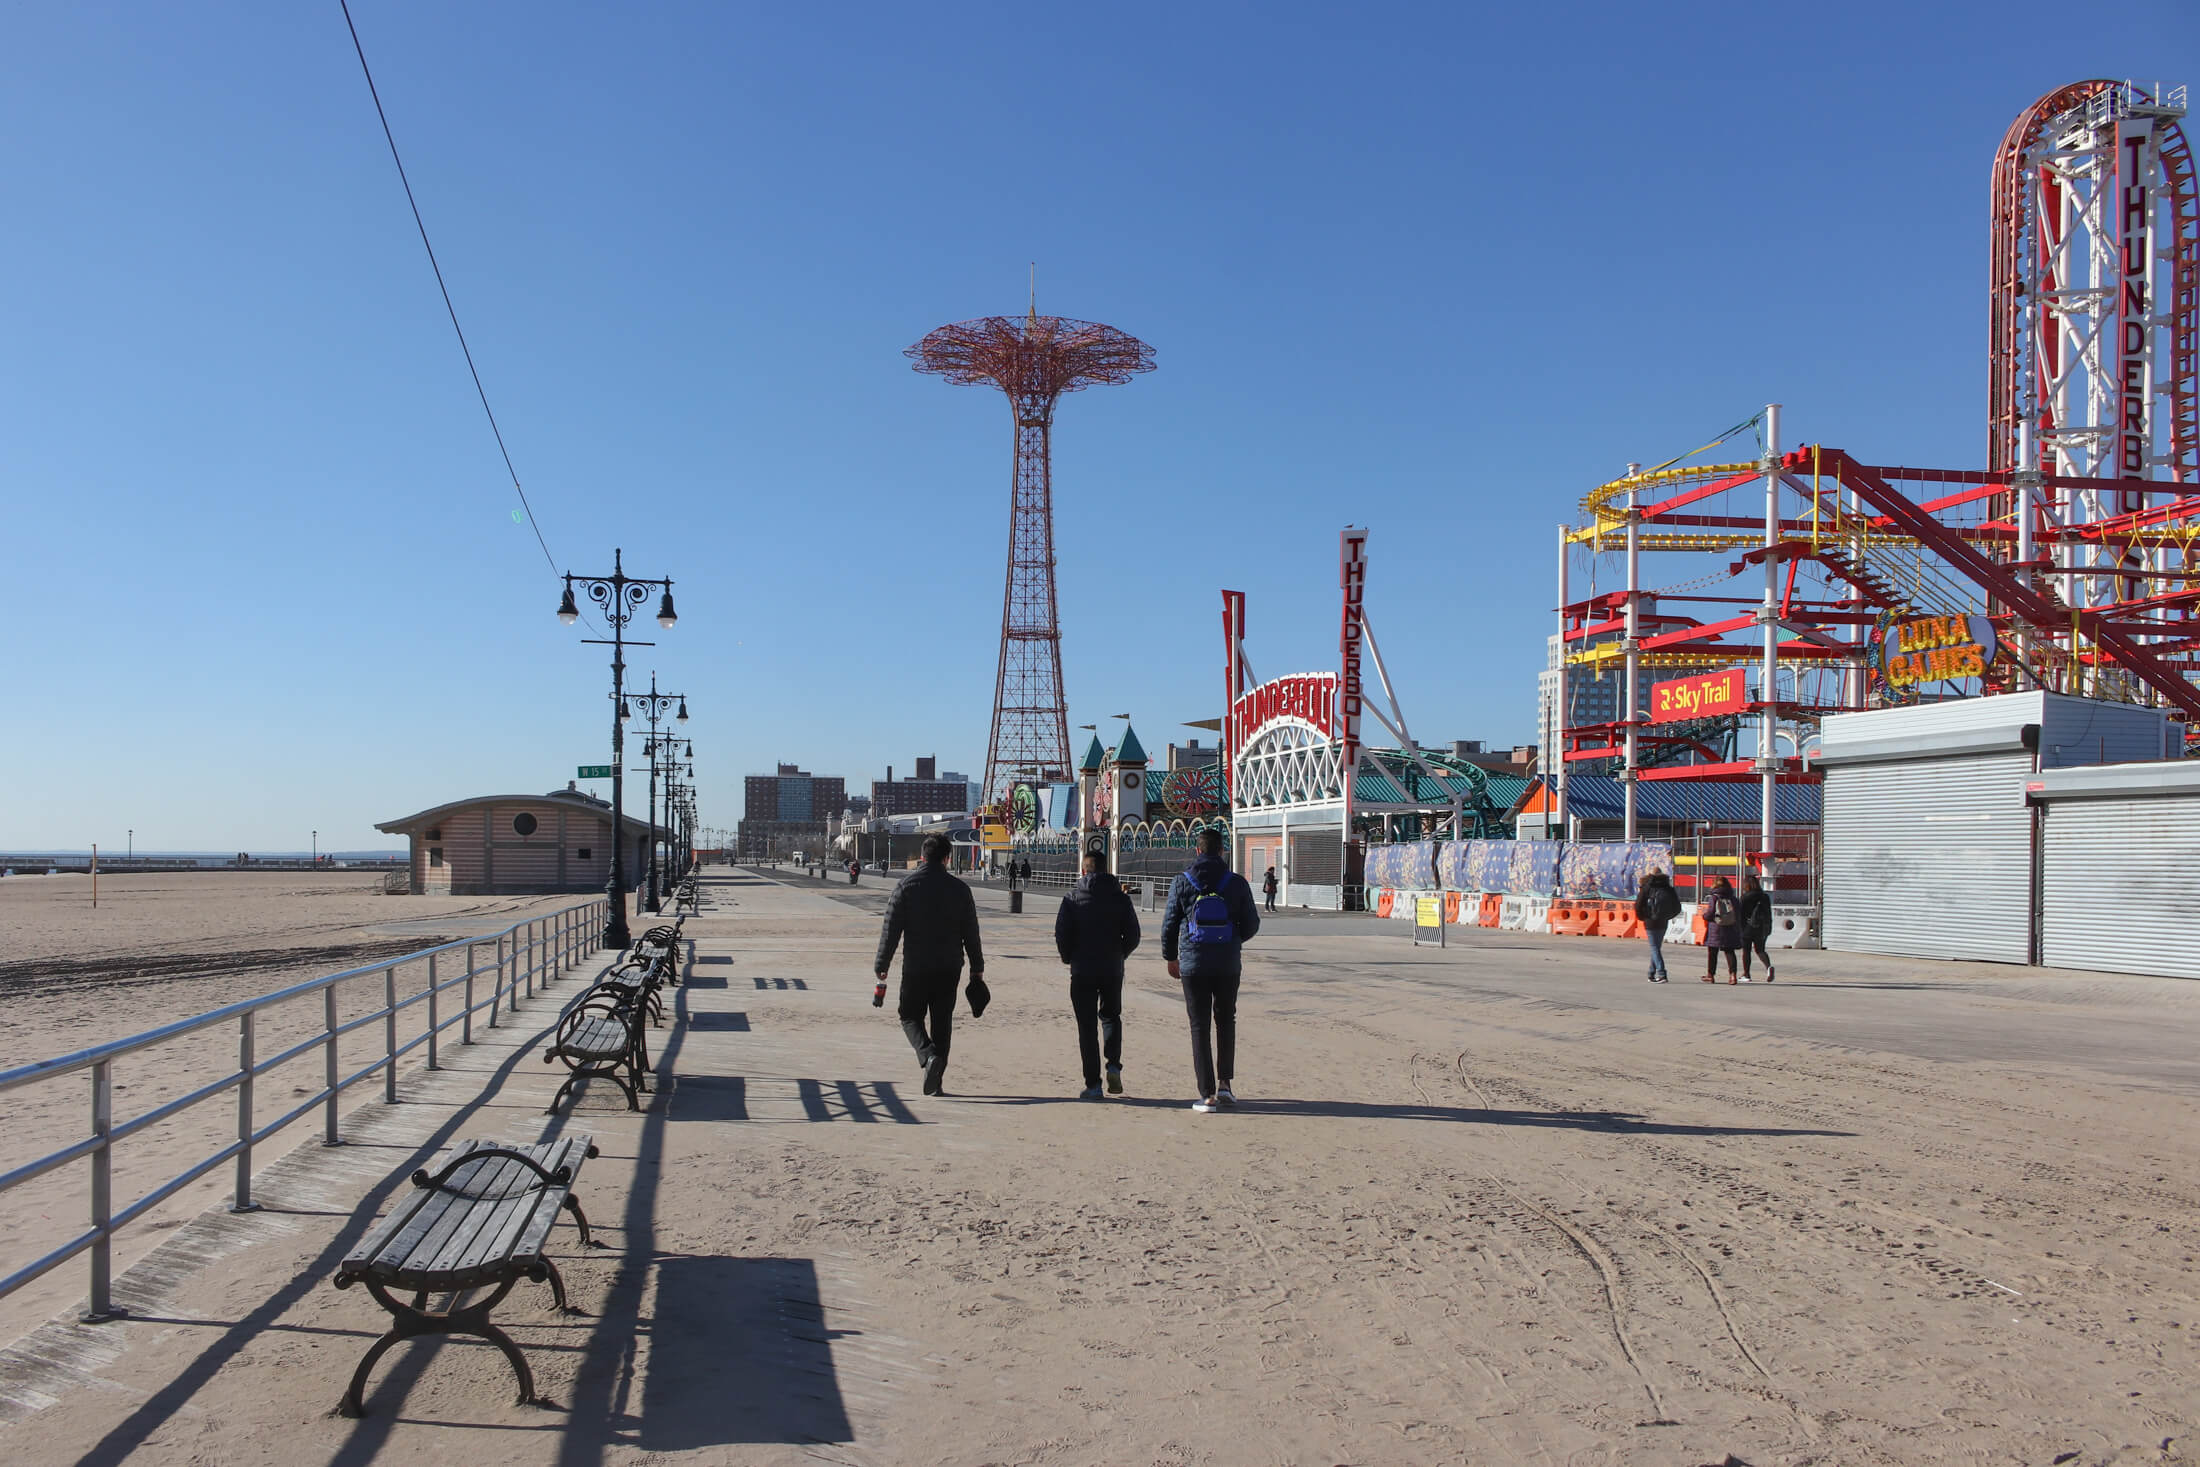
1754, 942
1098, 1004
929, 996
1212, 1000
1269, 901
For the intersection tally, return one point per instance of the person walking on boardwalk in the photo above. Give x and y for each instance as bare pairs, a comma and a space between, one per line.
1722, 931
1268, 890
1756, 913
1094, 931
934, 920
1211, 917
1656, 903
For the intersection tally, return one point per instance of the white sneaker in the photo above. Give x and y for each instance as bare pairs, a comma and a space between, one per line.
1224, 1100
1206, 1107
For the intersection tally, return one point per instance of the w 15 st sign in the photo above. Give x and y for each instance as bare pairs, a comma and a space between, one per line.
1706, 695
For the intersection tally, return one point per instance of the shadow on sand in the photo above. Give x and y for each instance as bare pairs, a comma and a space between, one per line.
739, 1352
1618, 1123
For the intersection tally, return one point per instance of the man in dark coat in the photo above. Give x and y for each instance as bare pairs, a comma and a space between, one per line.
1094, 931
934, 919
1209, 969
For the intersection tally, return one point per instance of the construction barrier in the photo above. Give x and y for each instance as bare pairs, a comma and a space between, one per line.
1620, 921
1525, 914
1790, 928
1572, 918
1384, 901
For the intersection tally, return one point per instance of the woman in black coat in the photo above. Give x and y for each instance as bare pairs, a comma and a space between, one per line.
1756, 911
1722, 930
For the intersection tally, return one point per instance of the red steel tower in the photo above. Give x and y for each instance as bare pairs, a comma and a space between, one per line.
1034, 360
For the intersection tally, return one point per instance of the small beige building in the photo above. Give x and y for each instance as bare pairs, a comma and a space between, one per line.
518, 845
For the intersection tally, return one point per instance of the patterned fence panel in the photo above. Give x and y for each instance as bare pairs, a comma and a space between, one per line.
1534, 868
1489, 865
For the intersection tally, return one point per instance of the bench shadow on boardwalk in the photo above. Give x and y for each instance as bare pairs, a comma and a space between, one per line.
738, 1349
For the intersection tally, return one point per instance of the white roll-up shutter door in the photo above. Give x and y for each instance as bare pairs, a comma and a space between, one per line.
2118, 883
1930, 858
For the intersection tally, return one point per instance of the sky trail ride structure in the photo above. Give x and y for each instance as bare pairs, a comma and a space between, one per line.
1763, 595
1033, 361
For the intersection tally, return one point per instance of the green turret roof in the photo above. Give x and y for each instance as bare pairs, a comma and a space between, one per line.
1129, 751
1095, 756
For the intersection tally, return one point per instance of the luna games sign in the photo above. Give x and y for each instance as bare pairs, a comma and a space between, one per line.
1932, 649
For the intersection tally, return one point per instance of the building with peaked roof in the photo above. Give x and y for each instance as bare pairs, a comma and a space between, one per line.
517, 845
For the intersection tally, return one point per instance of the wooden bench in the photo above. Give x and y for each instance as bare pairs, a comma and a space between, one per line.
481, 1220
599, 1036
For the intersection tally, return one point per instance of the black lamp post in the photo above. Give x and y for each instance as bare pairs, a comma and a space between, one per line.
654, 706
618, 596
679, 810
664, 757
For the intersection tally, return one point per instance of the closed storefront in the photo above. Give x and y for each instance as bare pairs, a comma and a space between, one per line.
1931, 838
1930, 858
2120, 867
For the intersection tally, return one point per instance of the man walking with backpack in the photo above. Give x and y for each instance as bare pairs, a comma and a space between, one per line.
1096, 928
934, 920
1211, 916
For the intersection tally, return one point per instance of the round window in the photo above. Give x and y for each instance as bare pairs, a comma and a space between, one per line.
524, 823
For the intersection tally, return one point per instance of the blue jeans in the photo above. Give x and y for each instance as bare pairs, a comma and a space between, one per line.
1656, 933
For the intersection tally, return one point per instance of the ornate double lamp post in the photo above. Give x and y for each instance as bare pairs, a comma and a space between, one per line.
618, 596
653, 706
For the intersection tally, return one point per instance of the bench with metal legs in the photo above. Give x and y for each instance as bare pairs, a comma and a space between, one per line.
481, 1221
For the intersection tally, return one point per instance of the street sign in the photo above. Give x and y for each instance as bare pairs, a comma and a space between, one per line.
595, 771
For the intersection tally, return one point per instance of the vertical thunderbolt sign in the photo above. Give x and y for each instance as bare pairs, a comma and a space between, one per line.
2134, 235
1233, 683
1352, 579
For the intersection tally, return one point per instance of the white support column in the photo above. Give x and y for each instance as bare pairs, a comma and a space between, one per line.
1768, 743
2024, 487
1554, 757
1629, 775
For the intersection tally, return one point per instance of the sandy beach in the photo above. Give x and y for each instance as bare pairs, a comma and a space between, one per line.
1499, 1203
161, 947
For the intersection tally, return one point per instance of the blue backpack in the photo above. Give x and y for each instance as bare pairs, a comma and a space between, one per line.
1209, 923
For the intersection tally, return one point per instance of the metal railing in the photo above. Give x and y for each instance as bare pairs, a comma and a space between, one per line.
528, 954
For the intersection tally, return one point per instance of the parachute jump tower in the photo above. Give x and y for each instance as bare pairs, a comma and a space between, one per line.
1033, 360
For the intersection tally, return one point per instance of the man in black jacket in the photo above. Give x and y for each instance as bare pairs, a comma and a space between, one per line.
1209, 963
934, 915
1094, 931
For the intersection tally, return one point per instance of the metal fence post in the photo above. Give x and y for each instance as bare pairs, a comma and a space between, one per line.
534, 954
389, 1034
496, 986
331, 1136
242, 1201
98, 1304
466, 1020
434, 1003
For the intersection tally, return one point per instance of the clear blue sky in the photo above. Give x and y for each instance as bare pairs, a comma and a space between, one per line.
1434, 269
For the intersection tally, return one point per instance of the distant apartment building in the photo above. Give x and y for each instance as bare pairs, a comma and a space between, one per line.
927, 792
1591, 697
790, 810
1193, 756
